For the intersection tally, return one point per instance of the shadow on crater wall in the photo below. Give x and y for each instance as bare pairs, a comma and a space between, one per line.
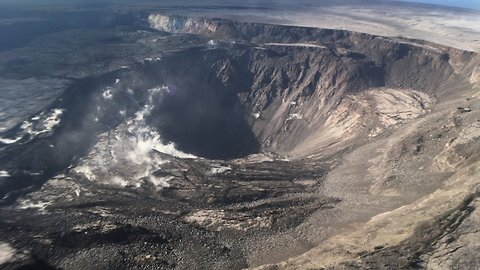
200, 114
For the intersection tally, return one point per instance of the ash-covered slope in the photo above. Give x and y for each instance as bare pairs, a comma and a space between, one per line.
233, 145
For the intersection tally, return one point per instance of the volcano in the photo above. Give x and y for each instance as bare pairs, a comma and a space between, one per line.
214, 144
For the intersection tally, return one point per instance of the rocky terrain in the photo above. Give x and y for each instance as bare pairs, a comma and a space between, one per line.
201, 143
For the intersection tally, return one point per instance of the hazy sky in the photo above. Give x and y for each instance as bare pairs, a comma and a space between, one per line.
454, 3
475, 4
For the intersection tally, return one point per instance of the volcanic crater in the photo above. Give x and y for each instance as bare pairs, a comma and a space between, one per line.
239, 145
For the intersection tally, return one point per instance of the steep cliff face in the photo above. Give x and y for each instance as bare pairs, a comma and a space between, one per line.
297, 84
